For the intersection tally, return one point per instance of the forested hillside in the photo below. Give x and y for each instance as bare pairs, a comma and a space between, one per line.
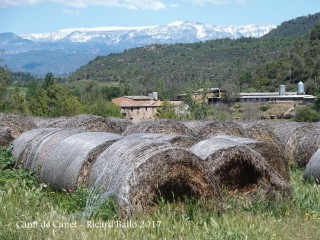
246, 64
300, 26
168, 68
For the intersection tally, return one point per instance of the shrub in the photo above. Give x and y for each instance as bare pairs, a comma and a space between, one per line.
306, 114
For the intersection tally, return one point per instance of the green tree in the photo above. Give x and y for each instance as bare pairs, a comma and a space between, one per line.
4, 82
166, 110
48, 81
102, 107
315, 33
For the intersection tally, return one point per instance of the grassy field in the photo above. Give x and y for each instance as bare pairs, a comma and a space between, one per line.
30, 210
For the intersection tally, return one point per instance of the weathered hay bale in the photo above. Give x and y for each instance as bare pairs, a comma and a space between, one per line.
212, 129
37, 149
239, 168
261, 131
5, 137
284, 130
195, 125
271, 153
69, 162
312, 171
295, 139
159, 126
16, 124
178, 140
24, 144
92, 123
307, 146
137, 172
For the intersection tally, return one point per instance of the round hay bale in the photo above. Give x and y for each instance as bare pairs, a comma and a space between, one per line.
212, 129
307, 146
5, 137
25, 143
178, 140
295, 138
271, 153
284, 130
262, 132
239, 168
159, 126
92, 123
137, 172
16, 124
68, 163
312, 171
196, 125
37, 149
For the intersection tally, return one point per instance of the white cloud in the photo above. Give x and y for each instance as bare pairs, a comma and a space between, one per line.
71, 11
129, 4
218, 2
9, 3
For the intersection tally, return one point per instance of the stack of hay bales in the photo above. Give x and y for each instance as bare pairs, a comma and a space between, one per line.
159, 126
312, 171
69, 162
139, 171
136, 169
238, 167
15, 124
86, 122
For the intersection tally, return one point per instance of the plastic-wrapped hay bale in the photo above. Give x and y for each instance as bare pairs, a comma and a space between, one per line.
92, 123
26, 142
159, 126
37, 149
16, 124
312, 171
307, 146
69, 162
239, 168
136, 172
178, 140
212, 129
271, 153
5, 137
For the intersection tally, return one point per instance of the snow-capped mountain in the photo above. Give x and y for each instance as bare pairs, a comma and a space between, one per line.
66, 50
181, 30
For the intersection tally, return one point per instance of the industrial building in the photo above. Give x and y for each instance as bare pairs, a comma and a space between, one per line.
280, 96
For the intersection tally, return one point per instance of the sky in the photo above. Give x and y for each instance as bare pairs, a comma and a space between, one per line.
35, 16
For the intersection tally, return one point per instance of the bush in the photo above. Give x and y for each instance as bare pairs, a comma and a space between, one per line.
306, 114
264, 107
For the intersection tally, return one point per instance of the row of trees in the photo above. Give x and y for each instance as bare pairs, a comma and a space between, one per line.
51, 99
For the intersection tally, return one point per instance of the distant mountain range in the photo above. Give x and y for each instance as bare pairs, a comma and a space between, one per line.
66, 50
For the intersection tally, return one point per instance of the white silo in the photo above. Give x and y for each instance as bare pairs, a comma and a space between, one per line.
301, 88
282, 90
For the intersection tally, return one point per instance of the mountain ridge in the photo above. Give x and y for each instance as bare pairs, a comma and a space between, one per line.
230, 31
